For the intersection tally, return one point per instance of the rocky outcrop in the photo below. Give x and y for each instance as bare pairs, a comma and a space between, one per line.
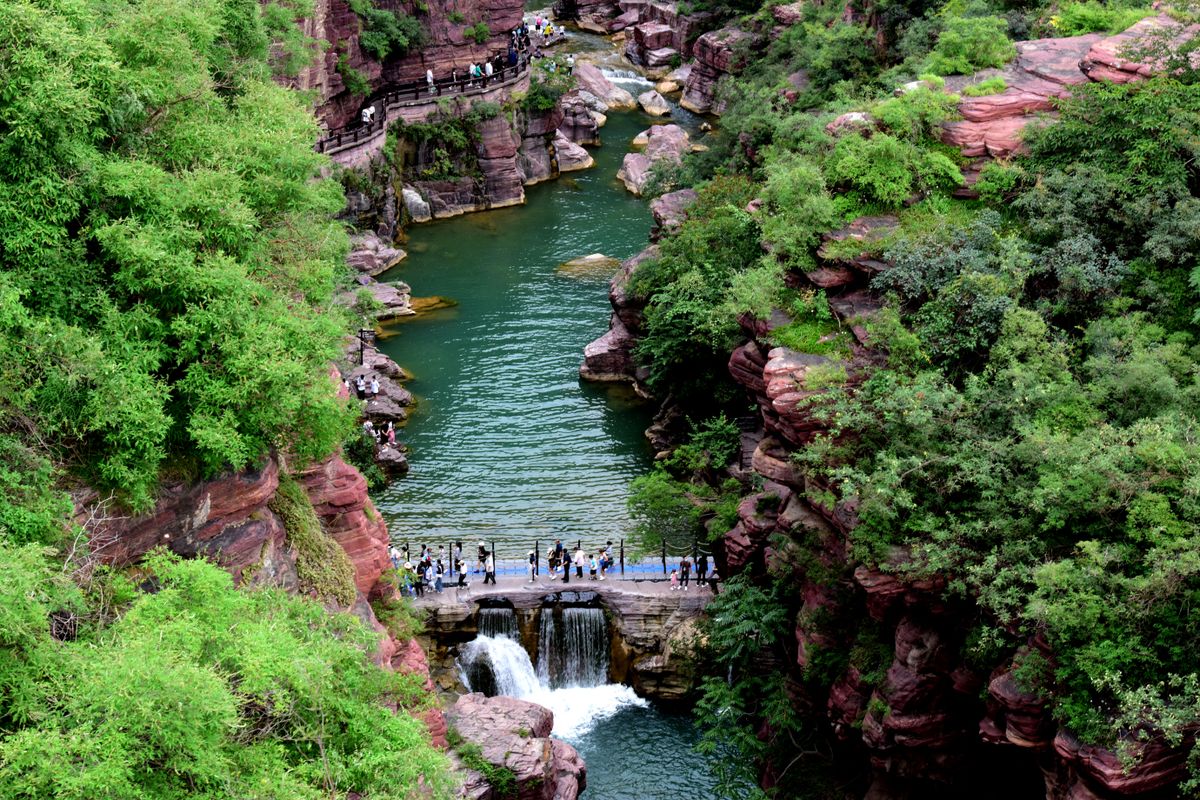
1124, 57
609, 359
579, 125
669, 211
849, 255
570, 157
664, 143
1044, 70
515, 735
392, 299
654, 104
536, 160
339, 495
589, 78
716, 55
226, 519
370, 256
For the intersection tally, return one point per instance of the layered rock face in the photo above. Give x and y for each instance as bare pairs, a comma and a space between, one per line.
229, 520
1046, 69
715, 55
609, 359
515, 735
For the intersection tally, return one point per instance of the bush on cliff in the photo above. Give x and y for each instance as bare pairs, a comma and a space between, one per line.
198, 689
167, 246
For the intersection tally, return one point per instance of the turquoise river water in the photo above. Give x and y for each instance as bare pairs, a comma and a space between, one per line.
506, 443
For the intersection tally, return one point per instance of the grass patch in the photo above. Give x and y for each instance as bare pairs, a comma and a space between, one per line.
993, 85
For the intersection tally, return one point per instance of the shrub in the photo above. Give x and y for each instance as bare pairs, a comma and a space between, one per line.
356, 82
386, 33
886, 170
1076, 19
322, 565
988, 86
456, 17
968, 44
479, 32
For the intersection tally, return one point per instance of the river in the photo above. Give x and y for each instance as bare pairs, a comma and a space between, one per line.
506, 444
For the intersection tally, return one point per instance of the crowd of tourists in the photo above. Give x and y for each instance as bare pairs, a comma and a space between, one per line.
682, 576
560, 560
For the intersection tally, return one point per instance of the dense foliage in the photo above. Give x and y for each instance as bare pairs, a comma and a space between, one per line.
168, 262
167, 258
1028, 430
197, 689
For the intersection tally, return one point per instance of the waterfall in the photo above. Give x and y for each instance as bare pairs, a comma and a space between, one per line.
585, 644
572, 667
626, 79
496, 622
497, 665
575, 653
547, 649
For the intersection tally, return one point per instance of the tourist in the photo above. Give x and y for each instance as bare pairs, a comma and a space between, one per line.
458, 553
453, 77
674, 580
570, 63
429, 80
418, 583
701, 568
374, 386
438, 573
685, 571
537, 51
391, 433
428, 573
489, 573
462, 573
551, 561
369, 429
487, 71
579, 561
441, 556
593, 566
394, 554
482, 557
360, 387
532, 565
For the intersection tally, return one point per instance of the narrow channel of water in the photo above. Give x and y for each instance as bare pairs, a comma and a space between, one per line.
506, 444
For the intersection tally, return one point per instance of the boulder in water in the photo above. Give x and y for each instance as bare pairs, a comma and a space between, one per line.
589, 78
654, 104
514, 734
593, 266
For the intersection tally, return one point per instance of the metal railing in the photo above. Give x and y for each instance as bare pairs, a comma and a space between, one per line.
656, 565
416, 91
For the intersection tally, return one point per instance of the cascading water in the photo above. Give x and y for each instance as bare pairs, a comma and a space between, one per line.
496, 622
585, 647
572, 670
497, 665
549, 653
575, 652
